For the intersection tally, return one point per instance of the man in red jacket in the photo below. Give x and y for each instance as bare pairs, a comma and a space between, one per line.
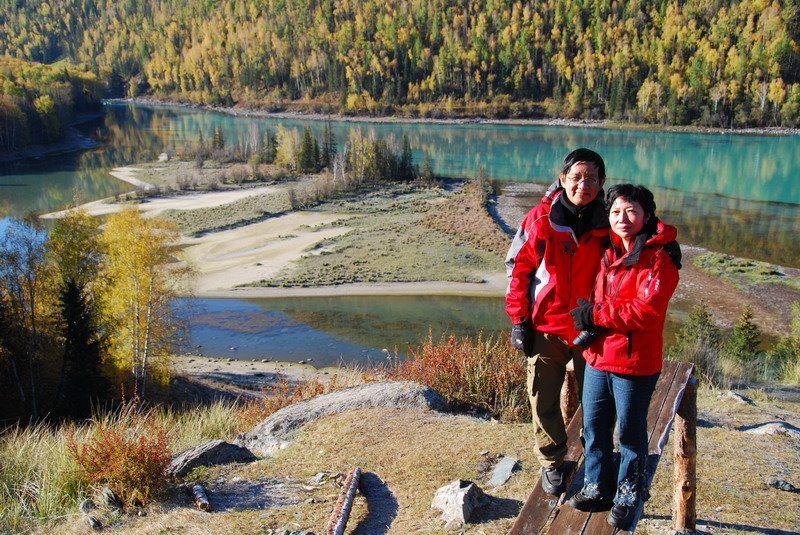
552, 262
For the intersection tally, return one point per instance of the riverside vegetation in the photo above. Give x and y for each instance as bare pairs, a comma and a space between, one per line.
49, 468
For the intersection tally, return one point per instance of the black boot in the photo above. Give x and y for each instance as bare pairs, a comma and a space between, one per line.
587, 504
553, 481
621, 516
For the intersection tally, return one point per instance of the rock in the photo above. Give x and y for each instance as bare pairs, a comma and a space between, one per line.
781, 485
318, 478
109, 500
163, 157
774, 428
457, 501
210, 453
86, 506
503, 470
94, 523
730, 394
279, 428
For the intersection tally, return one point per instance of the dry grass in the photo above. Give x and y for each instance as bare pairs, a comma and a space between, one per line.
388, 243
248, 210
416, 452
464, 217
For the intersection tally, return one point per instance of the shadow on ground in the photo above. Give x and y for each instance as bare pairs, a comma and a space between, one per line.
728, 525
382, 506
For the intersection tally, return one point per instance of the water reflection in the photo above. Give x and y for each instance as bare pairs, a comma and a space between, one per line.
333, 329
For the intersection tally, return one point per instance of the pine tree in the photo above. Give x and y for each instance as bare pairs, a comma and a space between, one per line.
306, 160
406, 169
328, 147
742, 345
427, 169
218, 141
699, 341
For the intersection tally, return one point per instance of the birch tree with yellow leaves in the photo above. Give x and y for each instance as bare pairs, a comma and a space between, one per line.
143, 281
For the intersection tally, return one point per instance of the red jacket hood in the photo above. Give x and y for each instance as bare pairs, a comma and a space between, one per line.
663, 235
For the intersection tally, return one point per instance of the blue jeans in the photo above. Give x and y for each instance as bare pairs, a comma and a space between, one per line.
625, 398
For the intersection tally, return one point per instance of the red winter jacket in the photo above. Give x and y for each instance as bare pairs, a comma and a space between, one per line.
549, 268
631, 295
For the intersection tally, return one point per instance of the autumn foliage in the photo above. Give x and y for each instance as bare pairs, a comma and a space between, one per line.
482, 373
129, 453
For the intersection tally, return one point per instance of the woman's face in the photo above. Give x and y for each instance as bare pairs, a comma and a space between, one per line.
627, 218
581, 183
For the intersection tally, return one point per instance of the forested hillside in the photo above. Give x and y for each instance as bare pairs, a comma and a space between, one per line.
711, 62
37, 101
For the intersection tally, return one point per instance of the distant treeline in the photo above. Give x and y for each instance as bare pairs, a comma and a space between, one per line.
709, 62
37, 101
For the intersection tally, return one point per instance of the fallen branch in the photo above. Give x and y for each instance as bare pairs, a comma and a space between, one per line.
341, 512
201, 498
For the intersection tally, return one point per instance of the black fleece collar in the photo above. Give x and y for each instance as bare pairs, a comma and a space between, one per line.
580, 219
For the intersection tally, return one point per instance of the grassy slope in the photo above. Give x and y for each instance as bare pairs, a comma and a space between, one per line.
415, 453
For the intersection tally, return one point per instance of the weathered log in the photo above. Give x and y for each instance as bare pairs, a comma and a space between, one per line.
341, 513
569, 395
200, 497
684, 511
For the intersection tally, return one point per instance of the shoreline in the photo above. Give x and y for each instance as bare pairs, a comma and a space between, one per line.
555, 122
491, 287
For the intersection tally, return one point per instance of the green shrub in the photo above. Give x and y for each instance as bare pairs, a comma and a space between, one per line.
699, 341
783, 359
742, 346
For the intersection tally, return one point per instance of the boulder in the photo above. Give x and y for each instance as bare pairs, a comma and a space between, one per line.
774, 428
277, 431
457, 501
209, 453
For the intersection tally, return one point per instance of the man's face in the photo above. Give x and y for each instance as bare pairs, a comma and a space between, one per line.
581, 183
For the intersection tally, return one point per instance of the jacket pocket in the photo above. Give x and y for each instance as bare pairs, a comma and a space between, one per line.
630, 345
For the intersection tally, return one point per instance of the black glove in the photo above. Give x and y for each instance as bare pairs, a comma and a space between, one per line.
583, 315
521, 335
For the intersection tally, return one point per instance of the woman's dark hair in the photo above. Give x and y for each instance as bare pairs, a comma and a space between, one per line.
585, 155
633, 193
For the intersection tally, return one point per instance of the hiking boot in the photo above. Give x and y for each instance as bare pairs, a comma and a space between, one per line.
621, 516
553, 481
584, 503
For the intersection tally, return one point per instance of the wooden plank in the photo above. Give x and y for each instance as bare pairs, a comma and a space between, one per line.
664, 403
539, 506
660, 432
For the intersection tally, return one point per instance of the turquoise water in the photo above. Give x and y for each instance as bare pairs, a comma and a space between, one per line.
731, 193
735, 194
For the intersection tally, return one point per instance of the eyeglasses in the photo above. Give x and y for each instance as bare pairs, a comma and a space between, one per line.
589, 180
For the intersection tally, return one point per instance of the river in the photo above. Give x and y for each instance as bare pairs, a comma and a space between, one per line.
731, 193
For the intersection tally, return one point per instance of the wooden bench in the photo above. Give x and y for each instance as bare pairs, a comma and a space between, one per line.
675, 394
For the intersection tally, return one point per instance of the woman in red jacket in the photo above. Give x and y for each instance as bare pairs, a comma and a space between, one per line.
638, 275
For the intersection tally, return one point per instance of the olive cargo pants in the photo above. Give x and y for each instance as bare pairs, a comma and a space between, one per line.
547, 363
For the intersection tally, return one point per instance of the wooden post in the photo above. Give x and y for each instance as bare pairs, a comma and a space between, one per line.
684, 511
569, 395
